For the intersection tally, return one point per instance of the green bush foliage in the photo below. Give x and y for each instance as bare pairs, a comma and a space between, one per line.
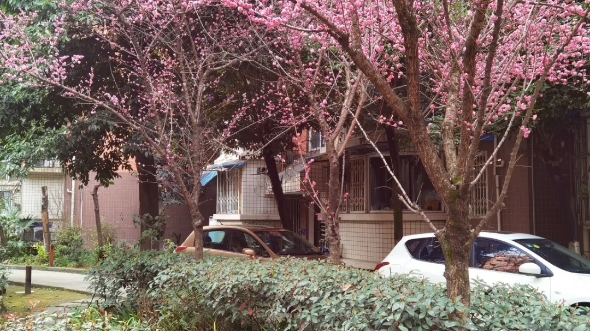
81, 320
177, 293
291, 294
69, 248
123, 273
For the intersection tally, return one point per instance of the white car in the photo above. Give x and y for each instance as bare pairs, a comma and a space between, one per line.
512, 258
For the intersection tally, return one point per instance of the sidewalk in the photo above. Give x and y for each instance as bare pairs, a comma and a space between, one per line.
55, 279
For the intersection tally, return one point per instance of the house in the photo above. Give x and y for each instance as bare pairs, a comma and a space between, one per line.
26, 194
366, 226
71, 204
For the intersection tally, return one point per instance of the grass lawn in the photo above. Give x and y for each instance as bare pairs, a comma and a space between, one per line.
20, 304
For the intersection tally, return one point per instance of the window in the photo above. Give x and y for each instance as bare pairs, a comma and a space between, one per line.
479, 191
214, 239
316, 141
356, 185
426, 249
497, 255
412, 177
557, 255
240, 240
228, 191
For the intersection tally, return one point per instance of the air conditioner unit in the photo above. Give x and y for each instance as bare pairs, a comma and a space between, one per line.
261, 170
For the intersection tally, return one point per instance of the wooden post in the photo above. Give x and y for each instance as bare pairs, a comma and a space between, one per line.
45, 218
51, 255
28, 279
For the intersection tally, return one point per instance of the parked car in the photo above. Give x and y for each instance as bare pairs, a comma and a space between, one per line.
512, 258
251, 241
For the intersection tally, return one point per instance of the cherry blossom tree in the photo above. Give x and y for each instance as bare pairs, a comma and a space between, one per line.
474, 63
171, 56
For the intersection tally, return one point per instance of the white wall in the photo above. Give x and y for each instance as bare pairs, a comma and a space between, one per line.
254, 197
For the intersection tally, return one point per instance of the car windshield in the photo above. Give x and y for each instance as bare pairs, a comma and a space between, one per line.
286, 243
557, 255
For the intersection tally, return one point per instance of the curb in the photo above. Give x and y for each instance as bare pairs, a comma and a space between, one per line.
58, 269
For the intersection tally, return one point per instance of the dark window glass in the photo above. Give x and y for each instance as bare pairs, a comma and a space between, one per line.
426, 249
286, 243
497, 255
557, 255
214, 239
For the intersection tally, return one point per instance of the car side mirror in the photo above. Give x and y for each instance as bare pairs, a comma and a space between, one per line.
530, 268
249, 251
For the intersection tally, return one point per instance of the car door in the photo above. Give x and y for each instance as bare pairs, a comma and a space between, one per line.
427, 259
497, 261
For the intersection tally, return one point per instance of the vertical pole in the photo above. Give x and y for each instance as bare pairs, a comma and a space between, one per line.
28, 279
51, 255
45, 218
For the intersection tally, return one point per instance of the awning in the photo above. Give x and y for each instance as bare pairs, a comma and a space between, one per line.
207, 176
235, 164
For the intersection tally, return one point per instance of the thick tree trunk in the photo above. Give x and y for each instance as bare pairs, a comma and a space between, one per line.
398, 207
277, 188
332, 217
99, 237
457, 242
149, 195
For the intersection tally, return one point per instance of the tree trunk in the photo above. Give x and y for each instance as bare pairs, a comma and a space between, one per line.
398, 211
456, 241
197, 223
99, 237
277, 188
332, 212
45, 218
2, 237
149, 195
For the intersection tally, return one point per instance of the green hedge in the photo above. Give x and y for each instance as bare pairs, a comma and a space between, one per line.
291, 294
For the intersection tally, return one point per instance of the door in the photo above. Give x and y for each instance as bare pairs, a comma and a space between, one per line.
498, 261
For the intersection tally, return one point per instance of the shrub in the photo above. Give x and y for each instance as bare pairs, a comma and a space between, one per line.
123, 273
69, 248
290, 294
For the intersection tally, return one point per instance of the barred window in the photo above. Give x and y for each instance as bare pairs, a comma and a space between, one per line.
479, 191
228, 192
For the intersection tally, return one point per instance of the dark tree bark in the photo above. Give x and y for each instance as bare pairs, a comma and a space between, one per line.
457, 241
149, 195
99, 236
2, 237
277, 188
398, 211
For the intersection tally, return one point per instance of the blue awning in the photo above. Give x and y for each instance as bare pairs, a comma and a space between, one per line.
207, 176
487, 137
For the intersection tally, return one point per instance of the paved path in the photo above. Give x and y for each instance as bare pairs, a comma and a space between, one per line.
63, 280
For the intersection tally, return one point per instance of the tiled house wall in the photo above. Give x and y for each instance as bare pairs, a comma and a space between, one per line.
31, 195
254, 197
119, 203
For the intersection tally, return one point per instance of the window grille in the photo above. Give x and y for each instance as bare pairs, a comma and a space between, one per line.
479, 191
356, 187
316, 141
228, 191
